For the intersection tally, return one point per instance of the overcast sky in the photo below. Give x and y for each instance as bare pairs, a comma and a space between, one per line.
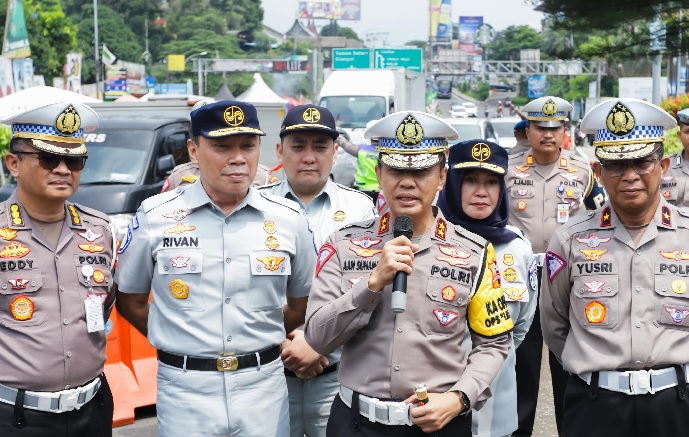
407, 20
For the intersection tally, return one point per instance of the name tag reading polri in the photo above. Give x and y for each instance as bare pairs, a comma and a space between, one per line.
270, 263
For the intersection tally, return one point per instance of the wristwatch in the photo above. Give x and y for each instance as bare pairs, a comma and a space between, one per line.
465, 403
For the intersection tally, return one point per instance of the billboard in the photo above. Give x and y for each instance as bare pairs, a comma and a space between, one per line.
537, 85
23, 73
73, 72
15, 44
467, 34
441, 25
6, 77
330, 9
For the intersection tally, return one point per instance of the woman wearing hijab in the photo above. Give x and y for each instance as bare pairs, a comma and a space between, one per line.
475, 198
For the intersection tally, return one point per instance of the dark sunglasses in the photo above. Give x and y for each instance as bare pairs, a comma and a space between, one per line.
50, 161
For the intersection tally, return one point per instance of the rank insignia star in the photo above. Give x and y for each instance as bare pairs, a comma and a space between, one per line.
606, 218
440, 229
384, 223
593, 254
677, 316
89, 235
667, 216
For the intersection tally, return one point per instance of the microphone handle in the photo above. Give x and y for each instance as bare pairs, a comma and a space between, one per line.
399, 292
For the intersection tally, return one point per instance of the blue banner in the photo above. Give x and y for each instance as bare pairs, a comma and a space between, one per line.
537, 85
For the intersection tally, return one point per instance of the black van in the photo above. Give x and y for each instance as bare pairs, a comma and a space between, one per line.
129, 159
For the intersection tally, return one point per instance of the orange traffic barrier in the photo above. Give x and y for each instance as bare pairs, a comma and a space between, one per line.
131, 369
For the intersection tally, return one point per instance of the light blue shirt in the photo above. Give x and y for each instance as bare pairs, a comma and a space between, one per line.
218, 282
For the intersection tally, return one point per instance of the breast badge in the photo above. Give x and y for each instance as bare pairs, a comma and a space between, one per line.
445, 317
92, 248
89, 235
455, 256
593, 240
14, 250
679, 286
179, 262
179, 228
324, 253
593, 254
365, 253
179, 289
522, 175
510, 275
595, 312
676, 255
522, 168
179, 214
449, 293
508, 259
667, 194
514, 294
569, 177
8, 234
271, 263
98, 276
18, 284
22, 308
269, 226
677, 315
339, 216
272, 243
594, 286
366, 242
521, 205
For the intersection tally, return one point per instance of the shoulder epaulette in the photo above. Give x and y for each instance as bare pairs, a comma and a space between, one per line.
474, 238
515, 156
160, 199
291, 204
575, 157
568, 229
267, 186
91, 211
183, 168
519, 233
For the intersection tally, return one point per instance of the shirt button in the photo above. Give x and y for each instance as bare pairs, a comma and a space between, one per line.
639, 324
228, 260
638, 288
69, 354
229, 338
398, 367
400, 329
638, 252
228, 300
227, 221
435, 293
62, 288
67, 387
639, 362
65, 321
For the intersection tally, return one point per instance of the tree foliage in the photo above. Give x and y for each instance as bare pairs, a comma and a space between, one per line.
334, 29
508, 43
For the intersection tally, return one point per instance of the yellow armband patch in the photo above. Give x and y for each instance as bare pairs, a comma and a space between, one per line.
487, 313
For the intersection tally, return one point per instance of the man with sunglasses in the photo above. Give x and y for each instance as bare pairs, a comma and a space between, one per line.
56, 263
614, 302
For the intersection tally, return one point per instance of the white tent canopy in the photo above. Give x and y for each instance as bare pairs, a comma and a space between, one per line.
259, 92
29, 98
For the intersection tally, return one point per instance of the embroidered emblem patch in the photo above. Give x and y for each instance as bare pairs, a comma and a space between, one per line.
380, 202
179, 214
569, 176
593, 254
522, 192
14, 250
89, 235
456, 255
445, 317
271, 263
676, 255
449, 293
366, 242
554, 263
18, 284
179, 262
508, 259
533, 274
22, 308
594, 286
515, 294
90, 247
269, 226
179, 228
522, 175
595, 312
272, 243
127, 239
593, 240
510, 275
324, 254
522, 168
521, 205
365, 253
677, 315
8, 234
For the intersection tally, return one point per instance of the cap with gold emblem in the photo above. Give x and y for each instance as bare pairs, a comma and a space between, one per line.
547, 111
55, 127
309, 118
626, 128
480, 154
411, 140
225, 118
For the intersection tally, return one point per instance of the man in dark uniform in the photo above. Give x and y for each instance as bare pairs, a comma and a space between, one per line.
614, 307
56, 262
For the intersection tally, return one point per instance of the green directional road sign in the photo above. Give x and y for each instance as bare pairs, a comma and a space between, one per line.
408, 58
351, 58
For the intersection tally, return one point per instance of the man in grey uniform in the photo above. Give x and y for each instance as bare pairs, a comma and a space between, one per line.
56, 263
220, 259
674, 185
453, 279
307, 151
614, 306
547, 185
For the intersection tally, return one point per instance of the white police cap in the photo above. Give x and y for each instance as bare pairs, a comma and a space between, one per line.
54, 127
411, 139
626, 128
547, 111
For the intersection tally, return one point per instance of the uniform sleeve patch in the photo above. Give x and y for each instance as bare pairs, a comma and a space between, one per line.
324, 253
166, 185
533, 275
554, 263
127, 239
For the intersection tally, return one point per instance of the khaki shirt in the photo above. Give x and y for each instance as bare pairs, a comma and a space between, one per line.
43, 335
455, 281
609, 304
674, 185
536, 194
188, 173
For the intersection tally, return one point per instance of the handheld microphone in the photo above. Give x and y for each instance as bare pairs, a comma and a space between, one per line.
403, 226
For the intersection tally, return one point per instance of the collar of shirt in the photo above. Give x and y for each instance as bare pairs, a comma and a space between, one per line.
196, 197
284, 189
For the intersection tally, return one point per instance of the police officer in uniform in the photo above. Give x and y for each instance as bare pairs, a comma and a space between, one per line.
475, 198
56, 263
453, 279
674, 185
523, 143
220, 259
307, 152
547, 185
614, 305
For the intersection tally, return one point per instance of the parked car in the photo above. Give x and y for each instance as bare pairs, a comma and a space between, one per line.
129, 159
472, 109
458, 111
504, 129
471, 129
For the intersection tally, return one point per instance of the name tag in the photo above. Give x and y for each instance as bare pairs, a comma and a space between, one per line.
178, 262
265, 263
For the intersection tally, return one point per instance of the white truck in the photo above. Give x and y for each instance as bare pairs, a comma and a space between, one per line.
356, 97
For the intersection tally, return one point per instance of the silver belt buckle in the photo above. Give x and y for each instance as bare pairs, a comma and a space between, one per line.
68, 400
398, 414
640, 382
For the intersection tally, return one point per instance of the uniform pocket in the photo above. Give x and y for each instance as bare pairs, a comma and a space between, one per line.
672, 302
595, 301
445, 307
20, 303
521, 197
181, 270
269, 273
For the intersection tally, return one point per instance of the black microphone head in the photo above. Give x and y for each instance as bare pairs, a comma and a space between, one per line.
403, 226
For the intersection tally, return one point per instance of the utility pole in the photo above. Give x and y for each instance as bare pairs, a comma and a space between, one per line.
96, 57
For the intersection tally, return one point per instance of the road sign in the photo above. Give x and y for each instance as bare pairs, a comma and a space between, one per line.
351, 58
411, 59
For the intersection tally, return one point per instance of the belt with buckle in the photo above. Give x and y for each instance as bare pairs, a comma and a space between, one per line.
375, 410
223, 363
637, 382
53, 402
330, 369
